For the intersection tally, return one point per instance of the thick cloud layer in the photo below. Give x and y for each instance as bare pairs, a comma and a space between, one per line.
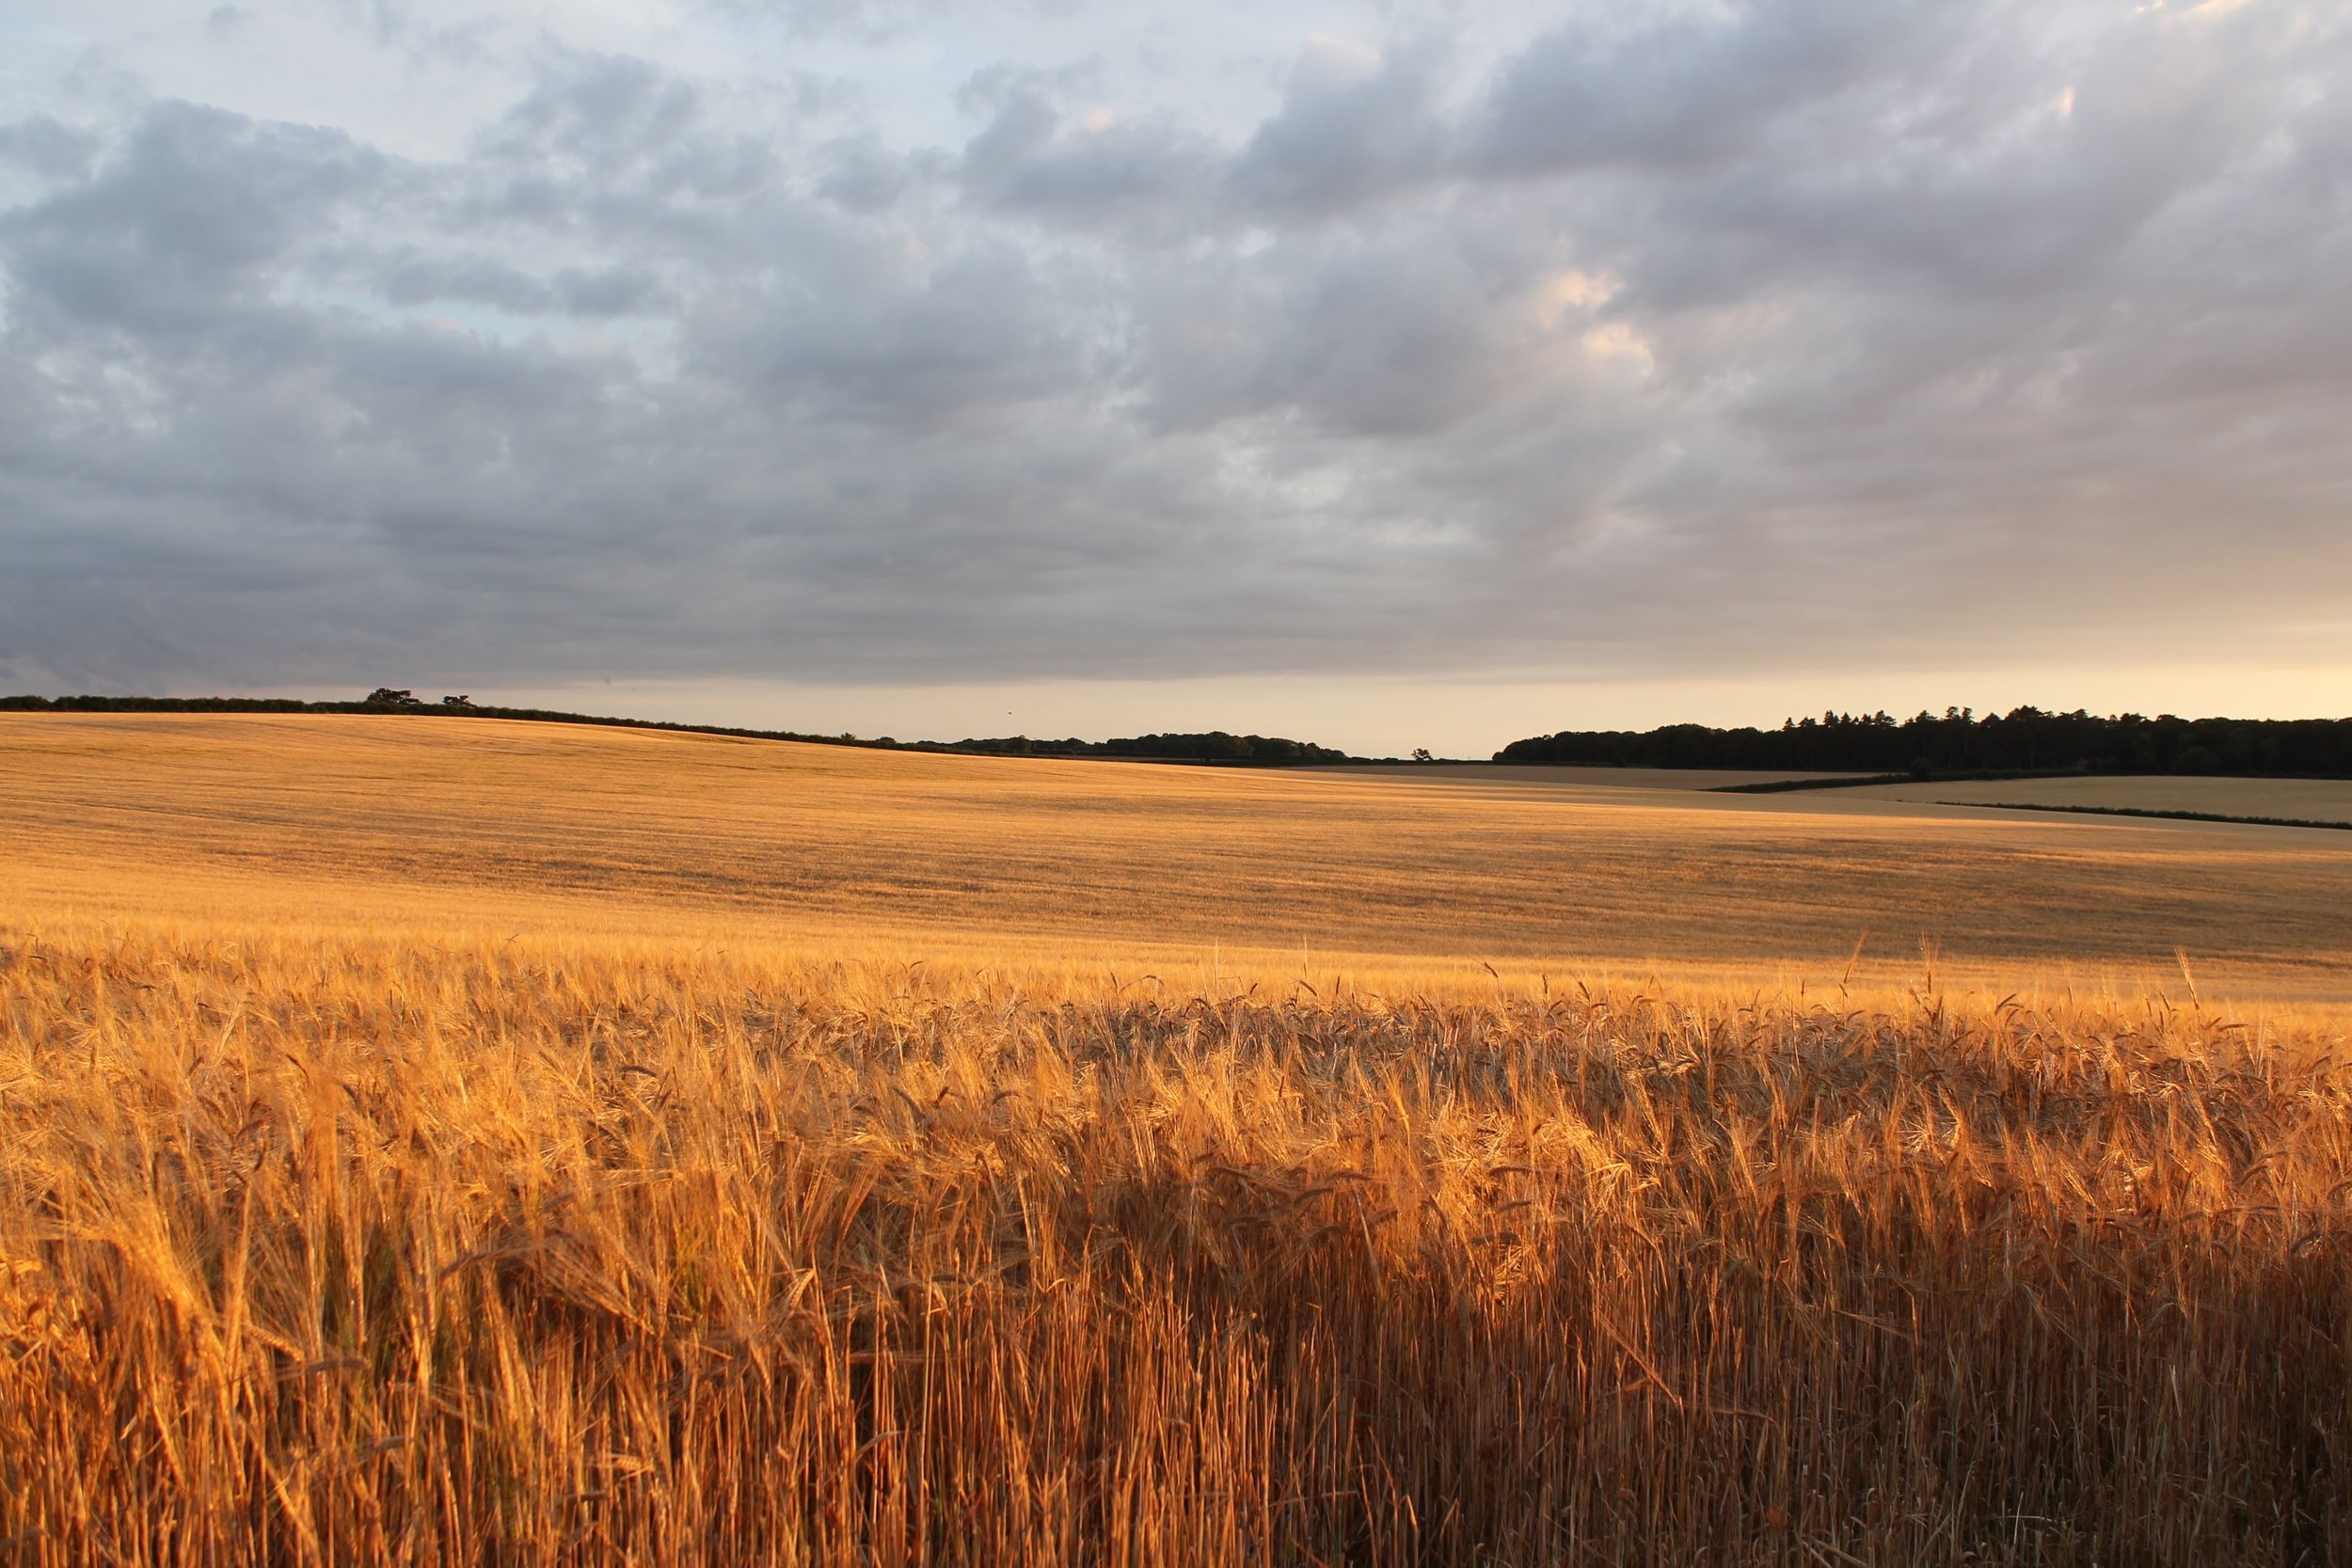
885, 345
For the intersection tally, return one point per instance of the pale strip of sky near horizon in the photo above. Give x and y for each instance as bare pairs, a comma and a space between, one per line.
1467, 719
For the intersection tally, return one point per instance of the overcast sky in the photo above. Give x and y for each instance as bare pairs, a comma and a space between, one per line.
1382, 373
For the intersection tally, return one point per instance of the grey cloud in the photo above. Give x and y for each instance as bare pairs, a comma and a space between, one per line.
867, 21
1758, 335
612, 146
612, 291
48, 146
479, 280
1350, 132
1343, 137
606, 113
1374, 339
1029, 159
609, 291
196, 205
1995, 207
893, 339
861, 174
1697, 88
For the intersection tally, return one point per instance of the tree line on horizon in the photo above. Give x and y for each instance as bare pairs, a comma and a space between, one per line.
1213, 746
2025, 740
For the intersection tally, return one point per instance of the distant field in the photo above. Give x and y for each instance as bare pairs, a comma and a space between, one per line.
1586, 777
361, 820
2292, 800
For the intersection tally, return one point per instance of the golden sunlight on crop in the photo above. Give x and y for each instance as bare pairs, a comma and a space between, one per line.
364, 823
455, 1141
428, 1247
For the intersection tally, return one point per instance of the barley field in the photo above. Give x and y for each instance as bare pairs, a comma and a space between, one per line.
357, 820
433, 1143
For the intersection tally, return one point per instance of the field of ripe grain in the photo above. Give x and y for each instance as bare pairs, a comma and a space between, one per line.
354, 821
2288, 799
446, 1141
402, 1249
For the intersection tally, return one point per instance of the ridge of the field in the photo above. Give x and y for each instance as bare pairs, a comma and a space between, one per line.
359, 821
1215, 748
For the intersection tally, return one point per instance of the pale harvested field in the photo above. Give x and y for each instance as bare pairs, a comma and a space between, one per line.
1583, 778
359, 820
2290, 799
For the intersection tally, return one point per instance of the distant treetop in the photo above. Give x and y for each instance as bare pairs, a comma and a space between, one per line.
2025, 740
1213, 746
